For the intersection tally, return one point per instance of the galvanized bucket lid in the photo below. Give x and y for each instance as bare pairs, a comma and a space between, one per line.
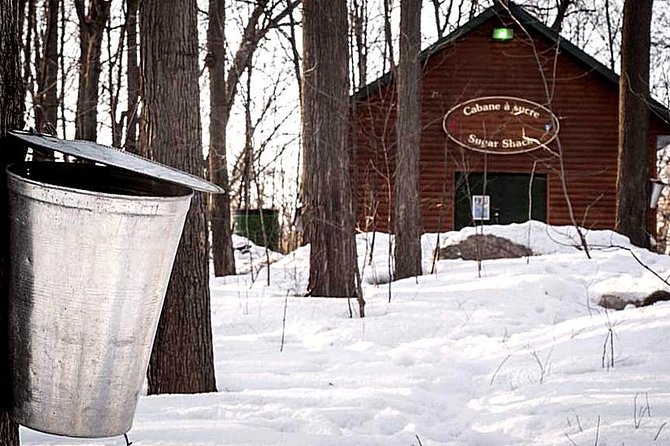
111, 156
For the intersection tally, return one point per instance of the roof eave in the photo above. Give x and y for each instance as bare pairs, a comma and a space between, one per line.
525, 19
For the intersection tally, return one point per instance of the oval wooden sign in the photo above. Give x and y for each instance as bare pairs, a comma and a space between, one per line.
501, 125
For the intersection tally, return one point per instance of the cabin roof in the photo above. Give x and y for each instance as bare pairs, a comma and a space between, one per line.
531, 23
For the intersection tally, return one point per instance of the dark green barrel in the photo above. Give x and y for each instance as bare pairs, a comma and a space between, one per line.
251, 223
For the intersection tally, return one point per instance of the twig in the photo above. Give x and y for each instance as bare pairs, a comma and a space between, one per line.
391, 265
659, 430
436, 254
128, 442
541, 365
493, 377
283, 323
635, 422
571, 440
267, 258
550, 96
610, 338
612, 346
637, 259
645, 410
597, 432
359, 294
418, 439
607, 338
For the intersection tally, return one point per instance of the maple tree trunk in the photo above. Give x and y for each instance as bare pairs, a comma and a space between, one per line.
91, 29
633, 162
182, 357
46, 117
222, 249
328, 216
11, 112
407, 222
133, 78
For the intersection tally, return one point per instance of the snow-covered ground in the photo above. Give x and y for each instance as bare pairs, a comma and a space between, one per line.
519, 354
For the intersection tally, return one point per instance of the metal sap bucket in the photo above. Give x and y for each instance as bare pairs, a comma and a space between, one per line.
92, 250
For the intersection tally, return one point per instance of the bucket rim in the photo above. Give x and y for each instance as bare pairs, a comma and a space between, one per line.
18, 178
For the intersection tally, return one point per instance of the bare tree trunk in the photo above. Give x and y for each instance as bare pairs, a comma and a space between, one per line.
440, 26
563, 6
294, 50
31, 18
248, 153
22, 13
633, 163
222, 95
114, 76
92, 22
360, 33
182, 357
11, 114
46, 99
610, 35
132, 77
61, 67
329, 221
222, 246
407, 223
388, 37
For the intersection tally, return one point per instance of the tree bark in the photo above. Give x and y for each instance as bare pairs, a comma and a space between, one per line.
11, 116
328, 216
407, 222
46, 100
182, 357
92, 21
633, 162
133, 78
359, 17
222, 246
30, 28
388, 37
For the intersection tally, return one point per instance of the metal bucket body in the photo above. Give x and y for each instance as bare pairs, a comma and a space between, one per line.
92, 252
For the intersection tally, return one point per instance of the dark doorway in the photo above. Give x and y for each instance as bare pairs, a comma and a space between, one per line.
508, 197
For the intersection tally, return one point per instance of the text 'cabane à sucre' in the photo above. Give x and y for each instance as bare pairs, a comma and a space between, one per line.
502, 125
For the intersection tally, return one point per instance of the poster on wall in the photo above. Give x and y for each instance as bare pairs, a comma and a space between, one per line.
502, 125
481, 207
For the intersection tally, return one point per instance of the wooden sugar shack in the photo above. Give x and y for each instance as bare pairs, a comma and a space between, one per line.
504, 98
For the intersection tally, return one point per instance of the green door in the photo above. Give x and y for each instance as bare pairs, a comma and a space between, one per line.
508, 197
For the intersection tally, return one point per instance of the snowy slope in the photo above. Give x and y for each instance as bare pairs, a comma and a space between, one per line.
518, 356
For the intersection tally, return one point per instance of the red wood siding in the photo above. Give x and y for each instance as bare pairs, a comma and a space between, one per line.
476, 66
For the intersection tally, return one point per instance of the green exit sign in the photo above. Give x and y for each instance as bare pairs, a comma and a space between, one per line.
503, 34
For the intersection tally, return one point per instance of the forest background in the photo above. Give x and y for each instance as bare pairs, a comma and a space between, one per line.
82, 73
263, 131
